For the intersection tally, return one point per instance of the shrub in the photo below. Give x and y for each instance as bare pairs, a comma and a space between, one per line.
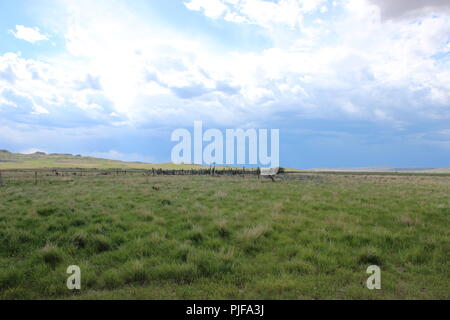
45, 212
166, 202
370, 257
80, 240
51, 255
101, 243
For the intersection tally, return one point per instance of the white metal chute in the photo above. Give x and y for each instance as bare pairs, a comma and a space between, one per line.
269, 171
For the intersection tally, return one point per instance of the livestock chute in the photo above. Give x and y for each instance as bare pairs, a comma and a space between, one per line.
269, 171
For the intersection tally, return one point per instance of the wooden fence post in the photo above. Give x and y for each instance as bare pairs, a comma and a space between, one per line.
1, 179
35, 177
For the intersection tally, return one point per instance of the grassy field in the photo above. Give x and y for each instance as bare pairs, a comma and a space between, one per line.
307, 236
9, 161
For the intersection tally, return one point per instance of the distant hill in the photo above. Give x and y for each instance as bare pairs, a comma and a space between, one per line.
38, 160
440, 170
386, 169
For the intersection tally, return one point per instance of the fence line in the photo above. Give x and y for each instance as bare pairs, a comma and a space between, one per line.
37, 175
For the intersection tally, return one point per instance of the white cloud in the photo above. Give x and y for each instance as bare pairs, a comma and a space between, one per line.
264, 13
31, 35
32, 150
211, 8
121, 69
116, 155
36, 88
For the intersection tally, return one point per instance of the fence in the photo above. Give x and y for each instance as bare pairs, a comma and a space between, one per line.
36, 176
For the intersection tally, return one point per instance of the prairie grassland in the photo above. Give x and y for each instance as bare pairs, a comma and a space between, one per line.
309, 236
11, 161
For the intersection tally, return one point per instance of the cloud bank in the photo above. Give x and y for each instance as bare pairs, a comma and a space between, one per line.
409, 8
381, 62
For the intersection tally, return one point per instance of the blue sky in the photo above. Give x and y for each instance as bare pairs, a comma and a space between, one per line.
348, 82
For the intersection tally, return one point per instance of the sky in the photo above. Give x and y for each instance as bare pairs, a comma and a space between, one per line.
349, 83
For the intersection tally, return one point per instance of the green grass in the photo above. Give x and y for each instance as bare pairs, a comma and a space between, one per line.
311, 236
